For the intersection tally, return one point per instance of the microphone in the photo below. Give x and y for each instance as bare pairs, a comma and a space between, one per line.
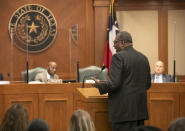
95, 74
27, 51
77, 66
103, 67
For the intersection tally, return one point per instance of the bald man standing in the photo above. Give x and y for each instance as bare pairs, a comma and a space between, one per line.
158, 76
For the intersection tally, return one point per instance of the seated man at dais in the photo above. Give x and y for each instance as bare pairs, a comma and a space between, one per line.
50, 75
159, 76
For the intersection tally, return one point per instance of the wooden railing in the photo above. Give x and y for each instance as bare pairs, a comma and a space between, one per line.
56, 102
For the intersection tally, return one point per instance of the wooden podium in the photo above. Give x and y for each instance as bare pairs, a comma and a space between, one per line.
90, 100
166, 102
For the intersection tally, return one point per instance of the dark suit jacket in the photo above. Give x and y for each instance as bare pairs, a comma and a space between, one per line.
1, 76
165, 77
127, 88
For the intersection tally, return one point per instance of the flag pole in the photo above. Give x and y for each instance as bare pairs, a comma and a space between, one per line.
112, 30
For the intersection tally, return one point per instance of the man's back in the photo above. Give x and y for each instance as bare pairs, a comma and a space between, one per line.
136, 69
129, 80
130, 77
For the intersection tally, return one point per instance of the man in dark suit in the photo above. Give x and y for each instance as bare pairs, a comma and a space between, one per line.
1, 76
127, 88
158, 76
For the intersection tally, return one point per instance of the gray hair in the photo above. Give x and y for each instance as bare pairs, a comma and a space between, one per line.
177, 125
125, 37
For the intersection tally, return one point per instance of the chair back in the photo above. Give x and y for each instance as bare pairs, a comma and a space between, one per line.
92, 71
32, 73
1, 76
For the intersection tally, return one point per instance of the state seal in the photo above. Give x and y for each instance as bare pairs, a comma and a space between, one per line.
33, 28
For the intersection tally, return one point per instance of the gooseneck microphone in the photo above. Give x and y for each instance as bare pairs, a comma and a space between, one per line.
95, 74
77, 66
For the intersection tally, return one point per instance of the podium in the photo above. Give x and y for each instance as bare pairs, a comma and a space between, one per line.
165, 103
90, 100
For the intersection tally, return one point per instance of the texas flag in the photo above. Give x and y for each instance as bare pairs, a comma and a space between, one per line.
112, 30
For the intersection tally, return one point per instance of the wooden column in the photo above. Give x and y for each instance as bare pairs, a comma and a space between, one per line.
163, 36
101, 12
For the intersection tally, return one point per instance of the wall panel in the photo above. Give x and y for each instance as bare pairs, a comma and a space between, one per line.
67, 13
30, 101
92, 19
53, 107
167, 104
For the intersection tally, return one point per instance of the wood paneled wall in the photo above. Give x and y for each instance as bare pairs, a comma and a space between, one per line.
66, 13
92, 19
101, 6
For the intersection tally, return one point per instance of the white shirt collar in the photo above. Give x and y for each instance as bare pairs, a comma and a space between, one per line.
158, 78
48, 76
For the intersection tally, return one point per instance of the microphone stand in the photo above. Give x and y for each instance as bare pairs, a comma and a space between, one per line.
174, 68
174, 61
83, 82
95, 74
77, 71
11, 74
27, 64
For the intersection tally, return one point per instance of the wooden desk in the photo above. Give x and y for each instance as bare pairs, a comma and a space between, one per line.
52, 102
166, 102
56, 102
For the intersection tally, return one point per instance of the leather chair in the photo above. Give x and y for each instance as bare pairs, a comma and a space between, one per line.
32, 73
1, 76
92, 71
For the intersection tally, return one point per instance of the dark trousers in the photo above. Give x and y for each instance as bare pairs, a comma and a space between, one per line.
127, 125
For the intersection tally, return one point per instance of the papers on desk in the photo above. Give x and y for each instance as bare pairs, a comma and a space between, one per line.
50, 81
89, 81
35, 82
4, 82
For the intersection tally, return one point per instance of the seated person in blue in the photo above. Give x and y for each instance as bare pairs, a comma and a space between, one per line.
49, 75
158, 76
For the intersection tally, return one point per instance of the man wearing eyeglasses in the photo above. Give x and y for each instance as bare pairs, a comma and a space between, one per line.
127, 88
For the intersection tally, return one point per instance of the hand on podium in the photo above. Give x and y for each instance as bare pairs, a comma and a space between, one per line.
96, 82
101, 85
